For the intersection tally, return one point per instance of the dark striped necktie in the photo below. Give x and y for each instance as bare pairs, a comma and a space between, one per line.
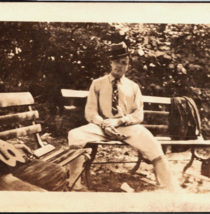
115, 97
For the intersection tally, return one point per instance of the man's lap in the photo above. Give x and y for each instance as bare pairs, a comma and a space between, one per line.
139, 137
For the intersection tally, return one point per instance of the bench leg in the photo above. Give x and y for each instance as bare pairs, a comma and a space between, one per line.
205, 168
87, 170
190, 163
137, 164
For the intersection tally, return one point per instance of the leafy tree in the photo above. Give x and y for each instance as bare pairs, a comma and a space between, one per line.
43, 57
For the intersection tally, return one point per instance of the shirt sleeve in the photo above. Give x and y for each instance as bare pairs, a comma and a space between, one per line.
138, 115
91, 108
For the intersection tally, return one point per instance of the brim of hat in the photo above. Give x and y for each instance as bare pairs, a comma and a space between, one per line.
119, 56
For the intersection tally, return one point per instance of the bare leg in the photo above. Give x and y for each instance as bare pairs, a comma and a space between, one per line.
165, 175
75, 168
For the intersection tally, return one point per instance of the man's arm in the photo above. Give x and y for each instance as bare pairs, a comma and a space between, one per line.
91, 108
137, 116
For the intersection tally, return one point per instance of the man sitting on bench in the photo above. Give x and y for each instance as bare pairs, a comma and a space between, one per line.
34, 174
114, 110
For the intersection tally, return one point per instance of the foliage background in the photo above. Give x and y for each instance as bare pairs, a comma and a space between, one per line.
43, 57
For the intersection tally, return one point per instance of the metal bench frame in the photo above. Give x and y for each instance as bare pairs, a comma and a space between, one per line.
72, 95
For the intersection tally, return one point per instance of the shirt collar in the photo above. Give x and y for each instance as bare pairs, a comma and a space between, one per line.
111, 78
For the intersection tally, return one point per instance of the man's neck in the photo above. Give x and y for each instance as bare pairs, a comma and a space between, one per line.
113, 77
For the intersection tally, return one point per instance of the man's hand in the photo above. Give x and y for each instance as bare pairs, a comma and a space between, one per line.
116, 121
113, 134
111, 122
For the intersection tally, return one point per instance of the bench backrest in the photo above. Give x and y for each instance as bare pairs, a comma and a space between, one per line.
16, 108
153, 106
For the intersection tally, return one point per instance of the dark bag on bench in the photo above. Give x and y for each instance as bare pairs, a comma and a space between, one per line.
184, 121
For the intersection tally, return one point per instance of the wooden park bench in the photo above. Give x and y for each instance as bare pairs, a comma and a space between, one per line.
18, 119
74, 100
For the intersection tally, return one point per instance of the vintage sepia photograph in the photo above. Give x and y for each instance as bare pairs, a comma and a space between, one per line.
104, 115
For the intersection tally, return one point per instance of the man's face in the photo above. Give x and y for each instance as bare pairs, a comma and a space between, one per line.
119, 66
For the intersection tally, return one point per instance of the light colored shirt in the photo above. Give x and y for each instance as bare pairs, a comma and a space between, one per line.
99, 102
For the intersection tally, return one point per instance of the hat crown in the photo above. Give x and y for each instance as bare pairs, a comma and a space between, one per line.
118, 50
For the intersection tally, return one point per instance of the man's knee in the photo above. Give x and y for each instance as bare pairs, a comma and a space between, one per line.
71, 136
159, 159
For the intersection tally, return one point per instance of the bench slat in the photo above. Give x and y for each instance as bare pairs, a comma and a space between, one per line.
50, 156
76, 108
65, 154
165, 113
162, 141
44, 150
13, 133
70, 156
82, 94
160, 138
186, 142
159, 127
74, 93
14, 118
153, 99
16, 99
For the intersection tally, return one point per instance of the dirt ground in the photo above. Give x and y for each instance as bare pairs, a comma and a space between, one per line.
110, 177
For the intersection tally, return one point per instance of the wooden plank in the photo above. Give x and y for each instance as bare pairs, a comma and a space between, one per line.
44, 150
162, 140
15, 99
70, 157
37, 136
159, 127
53, 155
70, 107
62, 156
186, 142
108, 143
5, 135
82, 94
14, 118
165, 113
154, 99
74, 93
